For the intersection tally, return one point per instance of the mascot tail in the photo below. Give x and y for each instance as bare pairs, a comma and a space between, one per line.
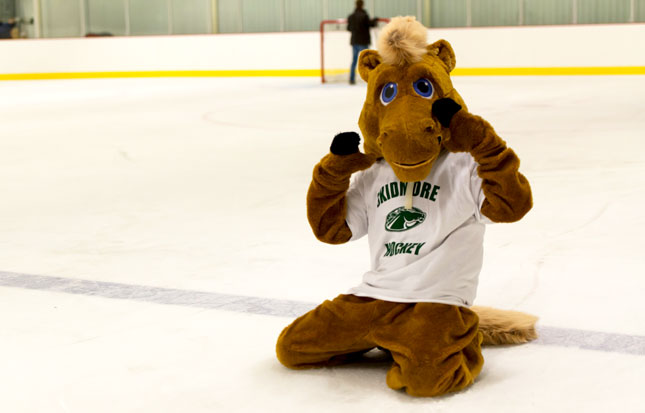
505, 326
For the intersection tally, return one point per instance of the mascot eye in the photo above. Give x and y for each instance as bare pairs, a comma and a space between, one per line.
424, 88
388, 93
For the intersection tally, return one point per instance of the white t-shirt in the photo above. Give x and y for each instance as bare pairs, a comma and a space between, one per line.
431, 253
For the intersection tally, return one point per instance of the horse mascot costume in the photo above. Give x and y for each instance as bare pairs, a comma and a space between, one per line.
431, 176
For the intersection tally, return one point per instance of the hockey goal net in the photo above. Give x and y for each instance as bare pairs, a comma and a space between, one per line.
335, 50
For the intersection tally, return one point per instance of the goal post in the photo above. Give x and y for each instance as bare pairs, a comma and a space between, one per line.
335, 50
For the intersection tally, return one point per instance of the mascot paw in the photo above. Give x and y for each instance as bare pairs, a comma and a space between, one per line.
345, 143
345, 158
444, 109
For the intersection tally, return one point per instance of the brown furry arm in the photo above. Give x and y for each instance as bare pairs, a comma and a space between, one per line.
507, 191
326, 204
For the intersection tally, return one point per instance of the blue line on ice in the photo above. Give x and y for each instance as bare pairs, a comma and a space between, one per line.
589, 340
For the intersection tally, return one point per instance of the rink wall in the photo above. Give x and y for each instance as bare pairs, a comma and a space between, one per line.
528, 50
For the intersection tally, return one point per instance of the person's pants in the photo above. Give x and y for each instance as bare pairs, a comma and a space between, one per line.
356, 50
436, 347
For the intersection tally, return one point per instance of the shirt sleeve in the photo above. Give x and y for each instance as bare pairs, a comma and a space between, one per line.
478, 193
356, 217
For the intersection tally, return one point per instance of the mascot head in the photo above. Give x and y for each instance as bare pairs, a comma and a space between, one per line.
404, 78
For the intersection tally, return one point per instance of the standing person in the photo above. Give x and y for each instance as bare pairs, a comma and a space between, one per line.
359, 24
6, 28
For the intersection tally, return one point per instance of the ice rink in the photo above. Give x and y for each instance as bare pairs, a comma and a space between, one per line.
154, 243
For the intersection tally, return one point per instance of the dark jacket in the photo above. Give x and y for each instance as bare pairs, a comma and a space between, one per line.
5, 30
359, 24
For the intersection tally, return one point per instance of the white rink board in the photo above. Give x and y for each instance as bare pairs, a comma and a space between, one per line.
543, 46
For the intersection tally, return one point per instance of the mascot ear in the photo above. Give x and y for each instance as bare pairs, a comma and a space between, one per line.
444, 52
367, 61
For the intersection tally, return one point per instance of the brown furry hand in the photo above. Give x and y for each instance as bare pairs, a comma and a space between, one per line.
466, 132
343, 166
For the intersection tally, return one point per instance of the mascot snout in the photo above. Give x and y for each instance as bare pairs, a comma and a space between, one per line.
410, 145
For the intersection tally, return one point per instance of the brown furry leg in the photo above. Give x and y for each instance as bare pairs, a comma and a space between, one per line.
333, 333
436, 348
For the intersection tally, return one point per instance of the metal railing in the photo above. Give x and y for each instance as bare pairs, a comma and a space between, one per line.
242, 16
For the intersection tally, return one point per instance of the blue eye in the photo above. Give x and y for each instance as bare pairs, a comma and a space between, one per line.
388, 93
424, 88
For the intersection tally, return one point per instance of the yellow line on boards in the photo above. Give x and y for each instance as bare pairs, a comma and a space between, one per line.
484, 71
549, 71
160, 73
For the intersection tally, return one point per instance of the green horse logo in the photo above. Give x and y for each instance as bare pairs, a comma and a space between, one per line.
402, 219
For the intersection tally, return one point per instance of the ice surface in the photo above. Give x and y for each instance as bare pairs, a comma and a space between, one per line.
198, 185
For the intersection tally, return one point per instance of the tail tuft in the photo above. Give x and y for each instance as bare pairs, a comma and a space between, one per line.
505, 326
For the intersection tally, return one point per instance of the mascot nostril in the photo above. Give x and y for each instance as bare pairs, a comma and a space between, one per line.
424, 205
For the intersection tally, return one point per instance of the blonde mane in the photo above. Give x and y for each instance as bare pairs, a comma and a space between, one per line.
403, 41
